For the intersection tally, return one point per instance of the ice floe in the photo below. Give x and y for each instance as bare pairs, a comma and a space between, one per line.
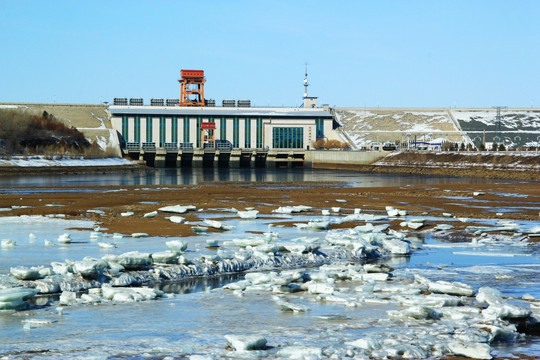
64, 239
178, 209
292, 209
15, 298
248, 214
246, 342
436, 318
177, 219
8, 243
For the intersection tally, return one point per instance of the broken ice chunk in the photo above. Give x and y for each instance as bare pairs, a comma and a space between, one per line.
377, 268
451, 288
177, 245
150, 215
178, 209
396, 246
105, 245
416, 312
199, 229
177, 219
89, 268
249, 214
8, 243
489, 296
300, 352
68, 298
506, 311
319, 225
212, 242
292, 209
24, 273
133, 260
444, 227
470, 350
320, 288
64, 239
288, 306
391, 211
325, 212
15, 298
139, 235
216, 224
127, 213
368, 344
246, 343
165, 257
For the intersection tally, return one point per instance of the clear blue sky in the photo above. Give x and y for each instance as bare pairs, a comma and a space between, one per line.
360, 53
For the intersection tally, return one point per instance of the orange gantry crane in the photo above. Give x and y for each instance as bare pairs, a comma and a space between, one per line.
192, 87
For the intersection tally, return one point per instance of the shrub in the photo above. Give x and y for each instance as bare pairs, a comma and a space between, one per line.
330, 144
28, 134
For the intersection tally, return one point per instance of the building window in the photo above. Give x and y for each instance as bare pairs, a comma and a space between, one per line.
199, 121
186, 129
149, 124
174, 130
162, 132
125, 128
319, 124
288, 138
137, 129
248, 133
223, 129
236, 132
259, 133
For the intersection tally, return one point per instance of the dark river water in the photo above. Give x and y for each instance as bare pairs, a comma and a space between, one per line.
189, 176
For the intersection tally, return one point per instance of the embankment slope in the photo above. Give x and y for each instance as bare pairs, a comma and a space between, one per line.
503, 165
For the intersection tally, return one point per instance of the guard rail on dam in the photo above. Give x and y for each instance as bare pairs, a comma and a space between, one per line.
236, 158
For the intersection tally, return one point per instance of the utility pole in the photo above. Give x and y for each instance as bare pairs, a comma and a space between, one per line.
498, 123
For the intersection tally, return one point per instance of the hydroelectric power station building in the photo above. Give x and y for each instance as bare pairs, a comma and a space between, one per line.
193, 131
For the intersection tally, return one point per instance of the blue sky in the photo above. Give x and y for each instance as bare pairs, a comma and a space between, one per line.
359, 53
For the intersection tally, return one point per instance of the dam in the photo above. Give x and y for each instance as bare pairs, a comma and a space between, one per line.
192, 131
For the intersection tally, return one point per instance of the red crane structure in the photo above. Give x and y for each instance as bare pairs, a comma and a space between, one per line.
192, 87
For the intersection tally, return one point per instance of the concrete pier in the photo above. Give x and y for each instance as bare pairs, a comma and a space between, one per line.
252, 158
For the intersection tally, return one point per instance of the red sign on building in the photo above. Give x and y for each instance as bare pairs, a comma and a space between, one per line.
208, 125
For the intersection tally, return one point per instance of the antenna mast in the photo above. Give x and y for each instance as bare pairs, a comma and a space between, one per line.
305, 84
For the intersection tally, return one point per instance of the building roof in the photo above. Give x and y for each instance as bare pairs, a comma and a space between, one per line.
206, 111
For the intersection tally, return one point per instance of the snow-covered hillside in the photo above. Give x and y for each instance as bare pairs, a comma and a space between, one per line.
364, 126
511, 120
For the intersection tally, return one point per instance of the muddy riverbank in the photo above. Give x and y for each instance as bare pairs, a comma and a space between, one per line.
496, 200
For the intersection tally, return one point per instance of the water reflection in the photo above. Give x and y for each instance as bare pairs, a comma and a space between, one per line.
192, 176
192, 285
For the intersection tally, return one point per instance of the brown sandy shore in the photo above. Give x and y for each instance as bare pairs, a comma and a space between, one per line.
421, 200
430, 171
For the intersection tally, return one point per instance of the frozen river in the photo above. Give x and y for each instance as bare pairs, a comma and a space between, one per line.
194, 316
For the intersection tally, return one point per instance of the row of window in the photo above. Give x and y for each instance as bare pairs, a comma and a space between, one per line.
288, 138
282, 137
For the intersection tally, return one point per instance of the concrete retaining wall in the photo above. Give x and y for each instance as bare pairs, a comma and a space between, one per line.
315, 157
